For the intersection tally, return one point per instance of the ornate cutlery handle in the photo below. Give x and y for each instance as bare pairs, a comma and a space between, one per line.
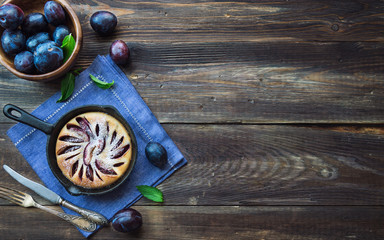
91, 215
77, 221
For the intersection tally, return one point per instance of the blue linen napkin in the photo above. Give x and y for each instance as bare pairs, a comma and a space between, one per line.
123, 96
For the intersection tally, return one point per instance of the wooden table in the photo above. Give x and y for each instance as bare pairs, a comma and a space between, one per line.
277, 105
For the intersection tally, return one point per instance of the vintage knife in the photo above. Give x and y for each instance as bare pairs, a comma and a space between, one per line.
54, 198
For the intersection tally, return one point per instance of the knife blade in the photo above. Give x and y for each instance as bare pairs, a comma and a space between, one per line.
54, 197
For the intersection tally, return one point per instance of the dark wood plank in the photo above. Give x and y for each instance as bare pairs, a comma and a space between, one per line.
181, 222
203, 64
231, 21
272, 165
263, 165
243, 82
243, 61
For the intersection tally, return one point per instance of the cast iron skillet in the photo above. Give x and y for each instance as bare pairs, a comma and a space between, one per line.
53, 130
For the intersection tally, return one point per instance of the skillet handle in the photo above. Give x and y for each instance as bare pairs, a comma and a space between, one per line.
26, 118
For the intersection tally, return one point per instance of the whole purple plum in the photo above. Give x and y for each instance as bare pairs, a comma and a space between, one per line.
24, 62
54, 13
11, 16
127, 220
34, 23
60, 33
37, 39
119, 52
103, 22
12, 41
48, 56
156, 154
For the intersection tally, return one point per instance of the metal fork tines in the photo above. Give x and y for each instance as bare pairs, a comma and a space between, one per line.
26, 200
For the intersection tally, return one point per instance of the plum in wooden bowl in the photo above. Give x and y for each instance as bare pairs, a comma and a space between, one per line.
38, 38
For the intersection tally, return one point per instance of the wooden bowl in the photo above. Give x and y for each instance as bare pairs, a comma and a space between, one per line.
73, 23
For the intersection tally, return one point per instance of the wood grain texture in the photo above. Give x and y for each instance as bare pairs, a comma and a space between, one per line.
277, 105
245, 82
276, 165
181, 222
285, 65
231, 21
264, 165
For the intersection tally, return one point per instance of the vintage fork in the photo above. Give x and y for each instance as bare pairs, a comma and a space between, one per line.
26, 200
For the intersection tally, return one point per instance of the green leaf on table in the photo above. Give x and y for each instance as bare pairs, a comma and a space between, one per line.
101, 84
67, 86
68, 46
151, 193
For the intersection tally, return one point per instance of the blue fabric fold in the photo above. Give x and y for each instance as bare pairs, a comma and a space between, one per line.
123, 96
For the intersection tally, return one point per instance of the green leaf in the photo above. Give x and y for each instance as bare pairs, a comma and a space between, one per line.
151, 193
68, 46
101, 84
67, 86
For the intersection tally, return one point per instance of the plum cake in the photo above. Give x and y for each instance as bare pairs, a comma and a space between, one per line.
93, 150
